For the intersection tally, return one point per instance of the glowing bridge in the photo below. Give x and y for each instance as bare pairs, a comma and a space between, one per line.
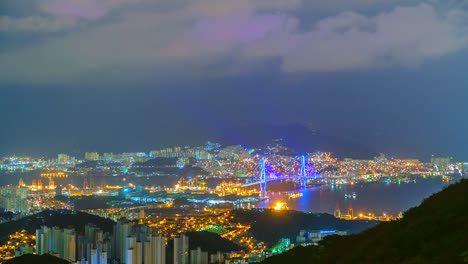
263, 179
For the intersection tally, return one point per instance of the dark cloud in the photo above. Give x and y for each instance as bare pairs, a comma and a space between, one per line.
123, 75
197, 35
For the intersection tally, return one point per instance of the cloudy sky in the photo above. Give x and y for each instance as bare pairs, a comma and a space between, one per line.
128, 74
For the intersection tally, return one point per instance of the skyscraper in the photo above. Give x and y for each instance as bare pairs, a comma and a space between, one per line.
69, 244
121, 231
91, 156
197, 256
98, 255
138, 252
130, 249
147, 252
217, 258
155, 249
440, 163
14, 198
181, 250
57, 241
62, 158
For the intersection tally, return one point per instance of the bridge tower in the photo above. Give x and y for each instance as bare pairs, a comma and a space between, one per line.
350, 210
103, 183
303, 173
85, 183
337, 212
91, 182
263, 177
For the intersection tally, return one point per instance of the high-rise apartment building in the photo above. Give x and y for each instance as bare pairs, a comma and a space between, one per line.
181, 250
130, 249
14, 198
98, 256
57, 241
155, 249
91, 156
197, 256
69, 244
65, 244
440, 163
62, 158
122, 229
217, 258
136, 244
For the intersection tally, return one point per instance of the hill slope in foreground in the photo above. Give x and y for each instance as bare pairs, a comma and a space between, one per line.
30, 258
60, 218
434, 232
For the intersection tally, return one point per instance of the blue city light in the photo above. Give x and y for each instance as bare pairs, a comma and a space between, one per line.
324, 232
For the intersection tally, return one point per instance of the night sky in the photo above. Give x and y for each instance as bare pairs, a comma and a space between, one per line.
134, 75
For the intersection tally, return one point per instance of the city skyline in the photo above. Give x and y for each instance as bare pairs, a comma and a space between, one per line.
149, 152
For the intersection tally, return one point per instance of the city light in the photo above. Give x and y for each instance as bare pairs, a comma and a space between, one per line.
243, 180
280, 206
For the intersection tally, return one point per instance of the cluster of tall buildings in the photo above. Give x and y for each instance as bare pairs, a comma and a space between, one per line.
440, 163
57, 241
166, 153
14, 198
92, 247
198, 153
181, 248
126, 157
62, 158
445, 164
199, 256
91, 156
138, 244
129, 244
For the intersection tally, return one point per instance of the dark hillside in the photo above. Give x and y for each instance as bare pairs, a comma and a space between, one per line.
30, 258
60, 218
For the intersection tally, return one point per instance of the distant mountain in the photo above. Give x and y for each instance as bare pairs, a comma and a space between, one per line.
434, 232
43, 259
296, 136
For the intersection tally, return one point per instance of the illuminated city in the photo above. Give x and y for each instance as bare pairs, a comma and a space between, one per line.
212, 187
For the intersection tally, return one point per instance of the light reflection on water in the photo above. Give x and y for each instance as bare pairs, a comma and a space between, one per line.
377, 198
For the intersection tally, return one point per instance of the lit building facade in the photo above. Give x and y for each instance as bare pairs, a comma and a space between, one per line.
181, 250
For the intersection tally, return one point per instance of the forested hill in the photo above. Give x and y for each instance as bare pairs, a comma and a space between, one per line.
30, 259
434, 232
60, 218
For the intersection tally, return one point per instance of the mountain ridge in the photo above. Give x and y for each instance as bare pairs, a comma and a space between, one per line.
296, 136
